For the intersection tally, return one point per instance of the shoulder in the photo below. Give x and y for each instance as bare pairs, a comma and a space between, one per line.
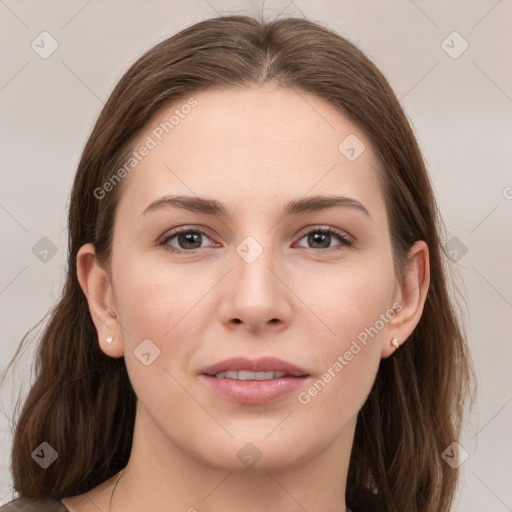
33, 505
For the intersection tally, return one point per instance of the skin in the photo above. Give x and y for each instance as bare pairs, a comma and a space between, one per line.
254, 150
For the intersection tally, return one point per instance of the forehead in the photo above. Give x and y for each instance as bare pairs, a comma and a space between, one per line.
253, 145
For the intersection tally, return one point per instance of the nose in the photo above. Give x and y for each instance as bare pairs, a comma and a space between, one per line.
255, 292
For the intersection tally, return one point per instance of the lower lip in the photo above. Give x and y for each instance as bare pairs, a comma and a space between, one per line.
254, 392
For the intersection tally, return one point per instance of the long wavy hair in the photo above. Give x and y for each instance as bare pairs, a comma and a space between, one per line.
81, 401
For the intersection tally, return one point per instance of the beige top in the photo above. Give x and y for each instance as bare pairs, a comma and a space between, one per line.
34, 505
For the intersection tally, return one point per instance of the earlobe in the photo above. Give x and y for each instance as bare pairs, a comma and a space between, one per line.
96, 285
412, 293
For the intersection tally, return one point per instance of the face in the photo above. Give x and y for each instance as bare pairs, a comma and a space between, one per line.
253, 279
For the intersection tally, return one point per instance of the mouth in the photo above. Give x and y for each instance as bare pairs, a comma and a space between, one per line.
248, 375
241, 368
253, 382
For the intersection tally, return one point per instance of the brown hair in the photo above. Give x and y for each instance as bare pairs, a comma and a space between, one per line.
82, 402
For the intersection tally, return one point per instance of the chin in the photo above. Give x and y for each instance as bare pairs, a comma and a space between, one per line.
253, 452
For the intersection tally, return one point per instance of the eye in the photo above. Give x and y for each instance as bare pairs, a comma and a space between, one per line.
321, 238
188, 240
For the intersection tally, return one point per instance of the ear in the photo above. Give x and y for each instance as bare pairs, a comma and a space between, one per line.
410, 297
96, 285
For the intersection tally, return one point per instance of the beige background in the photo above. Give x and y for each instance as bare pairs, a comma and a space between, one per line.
460, 109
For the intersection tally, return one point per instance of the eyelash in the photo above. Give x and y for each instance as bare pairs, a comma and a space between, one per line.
345, 240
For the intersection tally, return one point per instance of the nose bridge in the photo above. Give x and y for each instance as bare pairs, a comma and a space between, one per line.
252, 261
257, 296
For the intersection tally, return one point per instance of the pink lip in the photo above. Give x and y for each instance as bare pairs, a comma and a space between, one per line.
254, 392
264, 364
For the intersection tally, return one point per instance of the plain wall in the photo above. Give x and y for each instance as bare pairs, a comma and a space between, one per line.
460, 107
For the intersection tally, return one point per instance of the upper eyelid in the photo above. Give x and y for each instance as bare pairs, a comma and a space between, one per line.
184, 229
320, 227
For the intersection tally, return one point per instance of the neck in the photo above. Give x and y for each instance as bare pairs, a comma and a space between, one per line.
158, 478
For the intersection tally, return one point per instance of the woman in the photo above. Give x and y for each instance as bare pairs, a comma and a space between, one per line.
256, 314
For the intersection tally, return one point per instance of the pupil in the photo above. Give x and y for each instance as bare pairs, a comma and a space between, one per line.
188, 238
319, 237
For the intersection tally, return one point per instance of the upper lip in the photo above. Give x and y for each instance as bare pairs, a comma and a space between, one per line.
264, 364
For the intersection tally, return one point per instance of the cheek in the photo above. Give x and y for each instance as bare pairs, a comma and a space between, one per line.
334, 398
152, 300
349, 300
355, 309
348, 363
156, 319
156, 310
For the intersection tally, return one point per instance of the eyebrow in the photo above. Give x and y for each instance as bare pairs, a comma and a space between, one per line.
213, 207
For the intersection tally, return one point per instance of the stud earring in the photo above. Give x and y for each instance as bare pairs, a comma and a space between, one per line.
109, 340
395, 343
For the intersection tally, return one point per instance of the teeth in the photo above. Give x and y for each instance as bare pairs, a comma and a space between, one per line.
247, 375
